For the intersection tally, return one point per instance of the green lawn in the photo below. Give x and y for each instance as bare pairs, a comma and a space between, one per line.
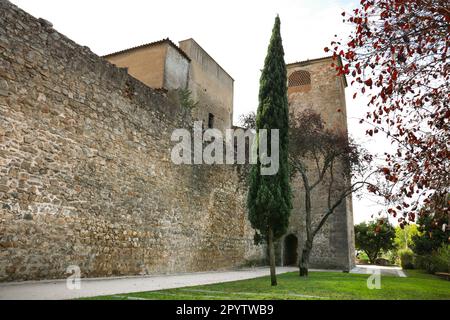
319, 285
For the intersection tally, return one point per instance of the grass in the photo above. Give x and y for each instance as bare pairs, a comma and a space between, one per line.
319, 285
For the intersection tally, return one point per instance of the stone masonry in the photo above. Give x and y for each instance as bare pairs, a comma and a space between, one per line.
85, 172
322, 91
86, 177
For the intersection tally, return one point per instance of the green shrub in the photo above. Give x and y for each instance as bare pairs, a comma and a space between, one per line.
363, 261
441, 259
392, 256
362, 258
422, 262
438, 261
406, 258
431, 236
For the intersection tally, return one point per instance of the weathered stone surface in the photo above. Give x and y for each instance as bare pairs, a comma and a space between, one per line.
334, 244
85, 171
4, 88
86, 177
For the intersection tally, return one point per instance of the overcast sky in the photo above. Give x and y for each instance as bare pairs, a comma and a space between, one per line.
235, 33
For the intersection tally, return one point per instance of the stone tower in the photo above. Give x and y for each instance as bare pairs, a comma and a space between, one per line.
164, 65
211, 86
314, 84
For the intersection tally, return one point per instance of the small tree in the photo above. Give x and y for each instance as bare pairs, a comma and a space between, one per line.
374, 237
269, 197
186, 100
323, 158
404, 236
432, 235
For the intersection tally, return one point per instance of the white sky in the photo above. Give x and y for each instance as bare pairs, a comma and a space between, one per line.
235, 33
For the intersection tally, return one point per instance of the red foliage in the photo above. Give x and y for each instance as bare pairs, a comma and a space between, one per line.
398, 52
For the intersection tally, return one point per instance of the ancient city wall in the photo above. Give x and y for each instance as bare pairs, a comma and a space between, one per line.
85, 172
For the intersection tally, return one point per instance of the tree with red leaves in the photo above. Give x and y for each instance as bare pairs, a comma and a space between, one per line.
398, 56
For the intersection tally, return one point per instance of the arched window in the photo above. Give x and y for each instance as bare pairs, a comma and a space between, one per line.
299, 78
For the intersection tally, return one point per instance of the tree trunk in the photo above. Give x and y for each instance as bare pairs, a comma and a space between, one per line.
373, 259
304, 260
273, 275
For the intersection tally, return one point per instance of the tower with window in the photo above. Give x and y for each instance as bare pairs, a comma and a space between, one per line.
314, 84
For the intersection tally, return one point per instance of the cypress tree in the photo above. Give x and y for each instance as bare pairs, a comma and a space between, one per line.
269, 198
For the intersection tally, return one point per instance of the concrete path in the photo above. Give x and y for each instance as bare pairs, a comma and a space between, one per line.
57, 290
386, 271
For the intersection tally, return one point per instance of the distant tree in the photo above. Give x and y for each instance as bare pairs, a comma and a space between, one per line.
269, 197
404, 236
248, 121
433, 233
324, 158
397, 55
374, 237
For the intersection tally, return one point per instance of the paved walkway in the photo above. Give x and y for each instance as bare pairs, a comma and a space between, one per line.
386, 271
57, 290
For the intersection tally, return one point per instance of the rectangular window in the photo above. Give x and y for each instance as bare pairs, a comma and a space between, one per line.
211, 121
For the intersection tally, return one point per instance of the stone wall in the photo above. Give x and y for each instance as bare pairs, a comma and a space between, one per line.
211, 86
176, 70
85, 172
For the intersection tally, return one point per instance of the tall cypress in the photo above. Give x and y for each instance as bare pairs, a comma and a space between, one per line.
269, 198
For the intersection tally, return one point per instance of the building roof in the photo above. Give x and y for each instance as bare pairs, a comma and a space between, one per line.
306, 62
167, 41
191, 39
